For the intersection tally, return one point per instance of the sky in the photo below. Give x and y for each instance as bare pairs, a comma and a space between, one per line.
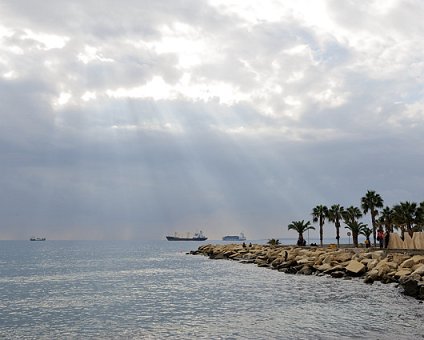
131, 120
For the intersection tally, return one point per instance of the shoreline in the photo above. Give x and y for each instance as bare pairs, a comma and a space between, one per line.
387, 266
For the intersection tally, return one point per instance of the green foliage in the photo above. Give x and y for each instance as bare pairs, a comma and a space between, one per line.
366, 232
319, 214
300, 227
370, 202
351, 214
273, 242
335, 215
356, 228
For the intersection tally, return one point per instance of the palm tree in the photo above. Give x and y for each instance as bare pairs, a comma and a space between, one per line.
352, 214
370, 202
367, 233
405, 216
356, 228
335, 215
273, 242
300, 227
419, 219
386, 219
320, 213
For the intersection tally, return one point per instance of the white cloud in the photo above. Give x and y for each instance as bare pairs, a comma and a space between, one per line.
47, 41
91, 54
63, 99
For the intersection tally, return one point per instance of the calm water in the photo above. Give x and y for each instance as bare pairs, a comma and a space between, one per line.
153, 290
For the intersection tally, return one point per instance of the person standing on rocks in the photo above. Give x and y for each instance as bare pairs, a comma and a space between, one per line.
386, 239
380, 237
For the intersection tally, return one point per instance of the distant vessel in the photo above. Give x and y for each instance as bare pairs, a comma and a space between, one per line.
197, 237
37, 239
240, 237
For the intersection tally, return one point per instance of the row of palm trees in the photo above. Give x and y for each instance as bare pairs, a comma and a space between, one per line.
405, 216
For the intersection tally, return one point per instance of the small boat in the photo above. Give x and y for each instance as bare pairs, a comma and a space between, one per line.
240, 237
197, 237
37, 239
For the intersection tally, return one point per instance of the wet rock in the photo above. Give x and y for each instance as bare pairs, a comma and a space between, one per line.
288, 264
337, 274
306, 270
368, 280
411, 288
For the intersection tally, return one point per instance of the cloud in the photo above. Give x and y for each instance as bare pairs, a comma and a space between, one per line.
136, 119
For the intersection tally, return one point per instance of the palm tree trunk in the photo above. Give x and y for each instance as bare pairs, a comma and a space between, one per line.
338, 234
321, 232
374, 229
355, 239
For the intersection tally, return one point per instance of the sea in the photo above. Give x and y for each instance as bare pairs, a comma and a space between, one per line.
155, 290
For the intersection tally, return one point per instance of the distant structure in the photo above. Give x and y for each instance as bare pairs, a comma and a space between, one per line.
37, 238
197, 237
240, 237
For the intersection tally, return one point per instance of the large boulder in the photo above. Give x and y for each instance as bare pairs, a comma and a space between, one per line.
306, 270
418, 259
343, 257
411, 287
371, 264
419, 270
407, 263
377, 255
355, 268
403, 272
324, 267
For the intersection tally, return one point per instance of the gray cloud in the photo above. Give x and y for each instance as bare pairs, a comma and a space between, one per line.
134, 120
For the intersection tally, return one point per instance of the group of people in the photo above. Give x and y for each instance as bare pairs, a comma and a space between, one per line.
382, 238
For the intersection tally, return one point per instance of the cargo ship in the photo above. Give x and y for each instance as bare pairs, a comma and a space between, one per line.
197, 237
240, 237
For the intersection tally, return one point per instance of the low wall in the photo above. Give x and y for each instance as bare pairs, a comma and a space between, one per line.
416, 242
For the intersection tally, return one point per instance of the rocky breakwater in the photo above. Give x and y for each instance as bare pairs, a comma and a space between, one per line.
405, 269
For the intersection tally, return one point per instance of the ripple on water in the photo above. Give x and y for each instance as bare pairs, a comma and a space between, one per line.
162, 293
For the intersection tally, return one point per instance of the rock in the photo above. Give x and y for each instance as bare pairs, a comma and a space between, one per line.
276, 263
338, 268
371, 264
419, 270
377, 255
305, 261
306, 270
324, 267
411, 288
407, 263
288, 264
383, 270
337, 274
343, 257
420, 290
373, 275
218, 256
368, 280
403, 272
355, 267
387, 279
418, 259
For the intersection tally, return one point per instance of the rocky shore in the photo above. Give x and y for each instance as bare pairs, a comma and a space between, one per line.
401, 267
